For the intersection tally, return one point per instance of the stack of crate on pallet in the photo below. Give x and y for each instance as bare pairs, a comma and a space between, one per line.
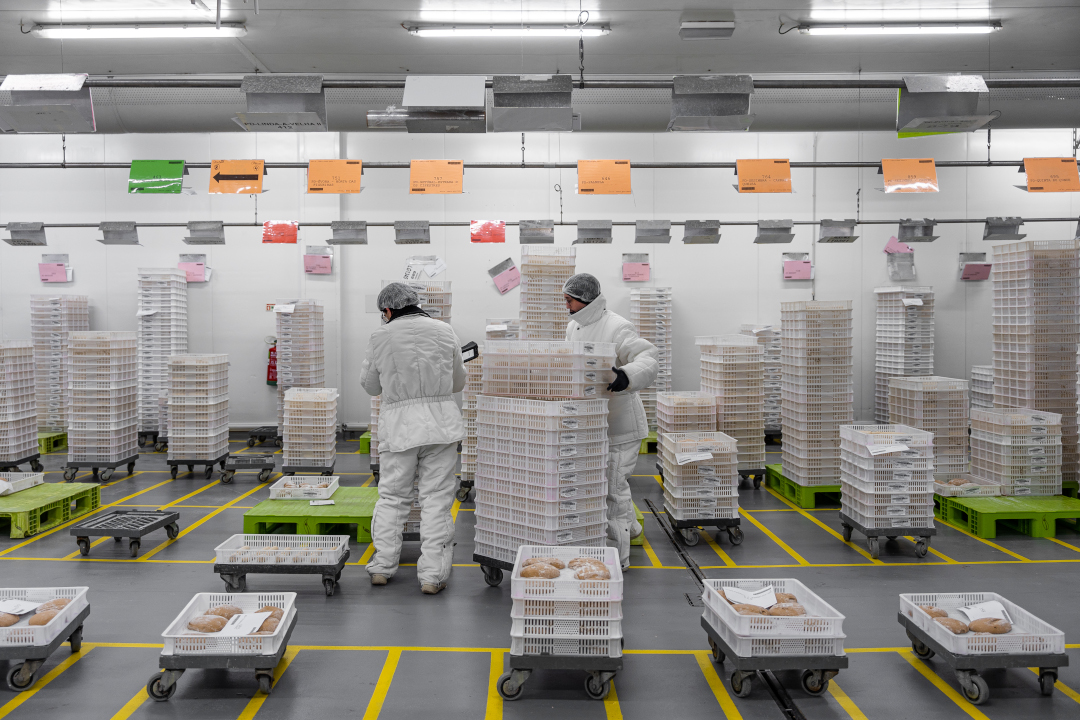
542, 309
1036, 330
938, 405
300, 349
905, 339
650, 311
704, 489
101, 377
685, 411
52, 317
18, 408
163, 416
474, 370
1019, 449
768, 336
818, 393
982, 386
162, 319
199, 408
310, 429
503, 329
436, 298
887, 476
733, 369
373, 428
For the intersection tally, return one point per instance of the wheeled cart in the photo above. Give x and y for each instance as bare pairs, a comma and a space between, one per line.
13, 465
174, 465
601, 671
690, 529
263, 463
262, 434
21, 676
493, 569
161, 443
873, 535
307, 470
756, 475
235, 575
120, 524
149, 437
465, 487
72, 468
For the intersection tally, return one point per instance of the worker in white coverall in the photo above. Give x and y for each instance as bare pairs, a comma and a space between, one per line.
636, 366
415, 364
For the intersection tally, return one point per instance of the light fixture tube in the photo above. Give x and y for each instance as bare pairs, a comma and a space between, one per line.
907, 28
139, 31
506, 31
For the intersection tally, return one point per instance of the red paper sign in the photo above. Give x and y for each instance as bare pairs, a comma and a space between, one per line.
797, 270
487, 231
895, 246
196, 272
635, 272
52, 272
318, 264
507, 280
976, 271
280, 231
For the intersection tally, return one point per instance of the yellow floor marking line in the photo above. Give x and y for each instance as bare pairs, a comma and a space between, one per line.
257, 701
942, 685
727, 706
131, 705
716, 548
787, 548
984, 541
22, 697
454, 510
1062, 688
126, 477
944, 557
368, 552
368, 481
823, 526
658, 480
648, 550
197, 523
611, 704
94, 544
494, 699
374, 706
1064, 544
845, 702
205, 487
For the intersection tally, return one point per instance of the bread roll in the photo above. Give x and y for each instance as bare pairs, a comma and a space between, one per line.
540, 570
207, 623
269, 625
934, 612
723, 595
225, 611
592, 572
553, 562
786, 610
579, 561
994, 626
275, 612
54, 604
43, 618
783, 598
7, 620
958, 482
955, 626
746, 609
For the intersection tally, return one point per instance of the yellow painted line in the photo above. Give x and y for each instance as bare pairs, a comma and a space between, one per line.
260, 697
126, 477
823, 526
131, 705
658, 480
197, 523
494, 699
374, 706
846, 702
611, 704
1064, 544
22, 697
368, 552
787, 548
94, 544
454, 510
944, 557
716, 548
985, 541
205, 487
368, 481
943, 686
1062, 688
870, 650
727, 706
649, 551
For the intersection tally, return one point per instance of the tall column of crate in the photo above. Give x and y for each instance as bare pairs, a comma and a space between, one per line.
650, 311
938, 405
1036, 330
733, 369
768, 336
373, 428
503, 329
685, 411
905, 339
982, 386
198, 407
542, 309
436, 297
52, 317
702, 489
18, 406
101, 375
1019, 449
817, 390
473, 386
162, 332
300, 350
310, 437
887, 489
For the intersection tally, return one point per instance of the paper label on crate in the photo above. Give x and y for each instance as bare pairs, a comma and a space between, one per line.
286, 308
565, 536
570, 423
568, 505
899, 521
591, 376
988, 609
684, 458
568, 409
17, 607
1021, 491
568, 438
567, 465
707, 470
321, 502
882, 449
496, 328
765, 597
908, 302
909, 454
570, 519
568, 492
243, 624
1038, 469
1037, 429
589, 391
895, 511
592, 362
905, 464
568, 451
589, 347
900, 499
895, 487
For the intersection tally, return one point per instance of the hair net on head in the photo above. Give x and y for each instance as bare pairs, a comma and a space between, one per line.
583, 287
396, 296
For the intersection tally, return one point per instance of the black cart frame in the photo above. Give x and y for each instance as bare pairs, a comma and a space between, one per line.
21, 676
235, 574
174, 465
120, 524
874, 535
71, 469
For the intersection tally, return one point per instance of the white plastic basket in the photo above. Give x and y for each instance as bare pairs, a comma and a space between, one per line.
567, 588
181, 641
279, 491
591, 647
568, 609
976, 487
282, 549
821, 619
22, 634
20, 481
1029, 635
568, 628
748, 646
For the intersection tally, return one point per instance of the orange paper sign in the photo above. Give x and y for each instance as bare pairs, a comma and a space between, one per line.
280, 231
330, 177
603, 177
1052, 175
436, 177
239, 177
764, 176
911, 175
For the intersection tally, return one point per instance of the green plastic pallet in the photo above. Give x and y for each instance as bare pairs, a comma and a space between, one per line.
1033, 516
802, 495
365, 444
648, 445
1070, 488
39, 508
51, 442
352, 506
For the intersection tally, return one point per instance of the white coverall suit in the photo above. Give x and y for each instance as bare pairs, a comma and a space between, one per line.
415, 363
627, 424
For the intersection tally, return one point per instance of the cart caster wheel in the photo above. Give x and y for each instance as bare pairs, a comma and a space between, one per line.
462, 494
153, 689
264, 476
921, 549
251, 442
597, 690
921, 651
757, 483
142, 441
1046, 683
740, 685
266, 683
873, 547
221, 465
209, 473
890, 538
506, 687
735, 535
279, 442
130, 468
84, 545
133, 546
69, 474
117, 539
979, 691
106, 474
328, 586
173, 470
76, 640
15, 680
172, 530
690, 536
241, 584
191, 469
226, 477
813, 683
159, 447
493, 576
717, 653
847, 533
36, 466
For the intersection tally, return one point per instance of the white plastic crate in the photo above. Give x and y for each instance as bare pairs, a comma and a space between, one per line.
181, 641
540, 493
539, 521
821, 619
747, 646
591, 647
718, 513
884, 522
1029, 635
282, 549
567, 588
22, 634
976, 487
20, 481
529, 534
700, 505
567, 609
304, 487
565, 628
887, 499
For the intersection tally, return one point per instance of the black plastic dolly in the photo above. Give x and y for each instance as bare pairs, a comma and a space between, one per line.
601, 671
148, 437
162, 685
120, 524
755, 475
235, 574
690, 531
262, 434
21, 676
874, 535
264, 463
307, 470
817, 669
174, 466
72, 468
464, 490
374, 474
13, 465
972, 685
493, 569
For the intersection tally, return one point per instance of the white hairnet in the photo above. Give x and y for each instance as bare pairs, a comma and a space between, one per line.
583, 287
396, 296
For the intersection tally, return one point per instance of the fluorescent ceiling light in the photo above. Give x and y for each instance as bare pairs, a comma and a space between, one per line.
499, 31
924, 28
138, 31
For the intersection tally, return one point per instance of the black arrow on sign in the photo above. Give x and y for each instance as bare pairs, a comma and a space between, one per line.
219, 177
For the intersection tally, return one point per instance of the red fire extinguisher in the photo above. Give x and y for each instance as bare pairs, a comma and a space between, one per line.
271, 366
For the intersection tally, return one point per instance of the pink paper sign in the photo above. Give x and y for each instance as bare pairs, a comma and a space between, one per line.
797, 269
895, 246
318, 264
507, 280
52, 272
635, 272
976, 271
196, 272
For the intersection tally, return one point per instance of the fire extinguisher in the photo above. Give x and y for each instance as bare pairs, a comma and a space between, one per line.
271, 366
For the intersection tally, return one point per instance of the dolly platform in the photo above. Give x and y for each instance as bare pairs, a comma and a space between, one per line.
352, 506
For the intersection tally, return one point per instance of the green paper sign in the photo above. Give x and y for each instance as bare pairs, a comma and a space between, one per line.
156, 176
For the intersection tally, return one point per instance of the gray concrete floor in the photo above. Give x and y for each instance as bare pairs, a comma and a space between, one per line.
393, 653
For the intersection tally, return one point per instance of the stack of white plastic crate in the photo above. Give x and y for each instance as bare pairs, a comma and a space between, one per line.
436, 298
503, 329
52, 317
1019, 449
373, 427
768, 336
905, 339
882, 488
101, 377
310, 435
18, 408
982, 386
733, 369
1036, 330
650, 311
700, 489
818, 393
542, 309
541, 446
300, 350
198, 407
685, 411
474, 369
162, 319
938, 405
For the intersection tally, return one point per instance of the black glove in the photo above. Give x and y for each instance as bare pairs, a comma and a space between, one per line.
620, 383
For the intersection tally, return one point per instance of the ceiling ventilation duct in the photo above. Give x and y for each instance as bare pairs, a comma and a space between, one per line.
706, 29
942, 104
283, 103
533, 103
48, 104
711, 103
445, 104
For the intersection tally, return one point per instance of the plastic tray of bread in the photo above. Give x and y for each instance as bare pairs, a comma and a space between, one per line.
1021, 632
304, 487
70, 602
182, 639
282, 549
774, 646
569, 583
819, 619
